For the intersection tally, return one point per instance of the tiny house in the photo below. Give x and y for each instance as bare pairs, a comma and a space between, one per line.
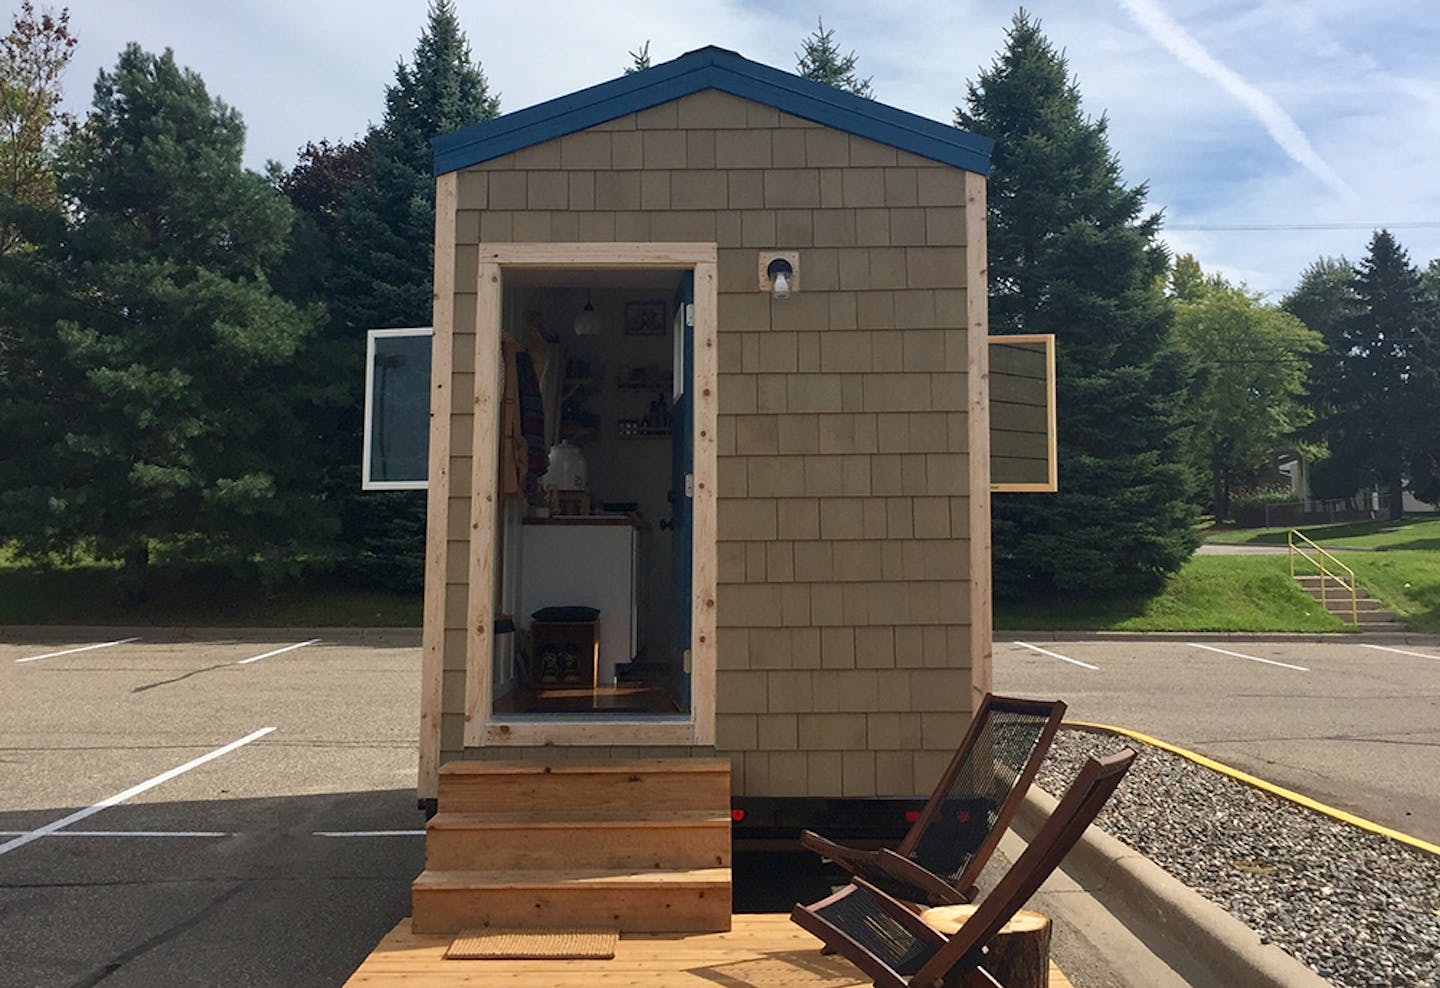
709, 459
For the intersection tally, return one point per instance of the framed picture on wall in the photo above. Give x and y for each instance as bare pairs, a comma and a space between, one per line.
645, 319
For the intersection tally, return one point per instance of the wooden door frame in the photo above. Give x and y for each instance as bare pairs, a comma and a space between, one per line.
482, 728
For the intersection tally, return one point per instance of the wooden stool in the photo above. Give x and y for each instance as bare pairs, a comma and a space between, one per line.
1018, 957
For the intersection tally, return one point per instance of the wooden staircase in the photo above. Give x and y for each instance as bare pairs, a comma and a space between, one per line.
642, 846
1372, 616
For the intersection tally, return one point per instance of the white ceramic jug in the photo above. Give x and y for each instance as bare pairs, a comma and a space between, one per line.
567, 469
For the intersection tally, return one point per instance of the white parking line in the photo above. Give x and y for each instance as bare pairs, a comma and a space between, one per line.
72, 651
287, 648
125, 833
1401, 651
1057, 655
367, 833
135, 790
1252, 658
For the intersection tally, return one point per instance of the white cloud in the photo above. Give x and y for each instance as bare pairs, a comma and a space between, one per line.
1279, 124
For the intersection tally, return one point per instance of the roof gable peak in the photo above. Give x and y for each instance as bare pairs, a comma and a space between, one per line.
712, 67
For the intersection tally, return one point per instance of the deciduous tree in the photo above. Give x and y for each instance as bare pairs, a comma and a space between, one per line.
33, 57
1251, 365
1072, 252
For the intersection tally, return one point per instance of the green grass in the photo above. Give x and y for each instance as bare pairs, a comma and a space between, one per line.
1210, 593
1407, 581
1414, 532
1400, 567
202, 596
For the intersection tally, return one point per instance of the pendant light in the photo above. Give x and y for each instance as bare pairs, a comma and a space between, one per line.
587, 323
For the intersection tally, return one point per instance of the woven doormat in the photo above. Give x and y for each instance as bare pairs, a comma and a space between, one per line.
533, 945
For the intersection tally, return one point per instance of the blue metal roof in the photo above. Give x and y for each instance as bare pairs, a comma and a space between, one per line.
712, 68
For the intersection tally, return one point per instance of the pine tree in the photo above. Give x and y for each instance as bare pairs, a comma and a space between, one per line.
381, 277
1387, 347
158, 411
1071, 253
639, 59
820, 59
1325, 301
389, 224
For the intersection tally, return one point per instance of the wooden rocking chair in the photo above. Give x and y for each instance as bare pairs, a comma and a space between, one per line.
942, 856
896, 949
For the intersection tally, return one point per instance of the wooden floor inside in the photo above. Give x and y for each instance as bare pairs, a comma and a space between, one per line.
635, 697
760, 951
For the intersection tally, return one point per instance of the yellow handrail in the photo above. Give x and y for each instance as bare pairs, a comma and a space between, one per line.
1318, 561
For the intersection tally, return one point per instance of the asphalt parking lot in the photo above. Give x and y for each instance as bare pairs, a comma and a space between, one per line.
1354, 724
280, 860
242, 812
275, 835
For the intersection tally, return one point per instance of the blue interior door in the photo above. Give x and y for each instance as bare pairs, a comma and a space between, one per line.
682, 467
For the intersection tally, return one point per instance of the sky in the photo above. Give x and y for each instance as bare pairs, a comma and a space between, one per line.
1270, 132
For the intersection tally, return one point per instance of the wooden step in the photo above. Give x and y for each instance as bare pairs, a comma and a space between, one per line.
639, 785
692, 901
679, 839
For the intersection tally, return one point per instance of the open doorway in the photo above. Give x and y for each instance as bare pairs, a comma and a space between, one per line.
594, 541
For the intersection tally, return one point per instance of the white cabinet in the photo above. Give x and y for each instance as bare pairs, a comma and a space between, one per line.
579, 562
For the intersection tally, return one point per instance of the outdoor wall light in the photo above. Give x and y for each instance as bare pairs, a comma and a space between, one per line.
779, 273
587, 323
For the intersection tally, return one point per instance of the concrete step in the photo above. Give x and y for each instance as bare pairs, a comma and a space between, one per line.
636, 786
1367, 605
675, 839
1371, 613
692, 901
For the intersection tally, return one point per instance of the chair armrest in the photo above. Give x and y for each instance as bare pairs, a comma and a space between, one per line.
937, 891
850, 858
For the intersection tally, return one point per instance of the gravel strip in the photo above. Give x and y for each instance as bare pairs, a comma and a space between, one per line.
1360, 909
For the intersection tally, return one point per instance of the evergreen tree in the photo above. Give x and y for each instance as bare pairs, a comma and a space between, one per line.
1387, 351
1071, 253
158, 410
386, 234
820, 59
381, 277
1325, 301
639, 59
1251, 367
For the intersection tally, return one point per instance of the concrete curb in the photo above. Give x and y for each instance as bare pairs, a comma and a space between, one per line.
1188, 932
1313, 637
62, 634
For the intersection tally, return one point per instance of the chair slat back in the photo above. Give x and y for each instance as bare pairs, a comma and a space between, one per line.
1077, 809
981, 789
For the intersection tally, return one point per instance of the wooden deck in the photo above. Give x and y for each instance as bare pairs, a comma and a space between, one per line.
760, 951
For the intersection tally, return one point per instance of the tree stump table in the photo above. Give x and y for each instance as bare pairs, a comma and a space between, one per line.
1018, 957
